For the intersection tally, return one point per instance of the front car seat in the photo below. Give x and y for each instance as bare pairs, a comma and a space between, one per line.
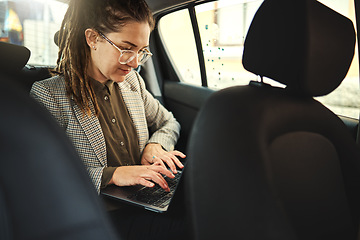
273, 163
45, 191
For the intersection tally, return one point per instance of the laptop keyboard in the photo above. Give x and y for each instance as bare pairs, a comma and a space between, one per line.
157, 196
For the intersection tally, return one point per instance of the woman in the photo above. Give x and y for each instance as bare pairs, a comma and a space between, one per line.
102, 103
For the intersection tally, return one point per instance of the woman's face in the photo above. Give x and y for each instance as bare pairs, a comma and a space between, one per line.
104, 62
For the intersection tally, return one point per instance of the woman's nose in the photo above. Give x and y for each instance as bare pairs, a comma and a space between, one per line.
133, 63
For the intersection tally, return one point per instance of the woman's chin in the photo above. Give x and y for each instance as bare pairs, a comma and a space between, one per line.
118, 78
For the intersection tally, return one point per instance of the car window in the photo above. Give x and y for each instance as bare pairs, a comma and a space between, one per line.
32, 23
222, 30
345, 100
221, 42
223, 26
178, 37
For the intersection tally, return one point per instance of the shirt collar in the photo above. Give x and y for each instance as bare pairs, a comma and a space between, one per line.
99, 87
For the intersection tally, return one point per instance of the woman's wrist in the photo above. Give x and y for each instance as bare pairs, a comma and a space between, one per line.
112, 178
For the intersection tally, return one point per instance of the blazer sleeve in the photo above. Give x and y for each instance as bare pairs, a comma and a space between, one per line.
162, 123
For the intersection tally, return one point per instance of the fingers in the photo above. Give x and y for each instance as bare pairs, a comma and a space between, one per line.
155, 154
170, 158
176, 160
162, 170
158, 161
146, 183
178, 153
145, 175
156, 177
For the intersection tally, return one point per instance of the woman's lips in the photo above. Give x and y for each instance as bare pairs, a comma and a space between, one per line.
125, 71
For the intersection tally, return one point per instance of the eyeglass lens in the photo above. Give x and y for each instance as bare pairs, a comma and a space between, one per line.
128, 56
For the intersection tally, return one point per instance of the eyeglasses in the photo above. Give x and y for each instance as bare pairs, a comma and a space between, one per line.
127, 56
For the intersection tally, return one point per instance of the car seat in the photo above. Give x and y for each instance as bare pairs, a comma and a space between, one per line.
14, 59
45, 191
269, 162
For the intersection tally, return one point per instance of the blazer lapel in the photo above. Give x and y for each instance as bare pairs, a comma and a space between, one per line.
135, 107
92, 129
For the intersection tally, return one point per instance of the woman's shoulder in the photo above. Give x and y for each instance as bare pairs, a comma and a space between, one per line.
55, 83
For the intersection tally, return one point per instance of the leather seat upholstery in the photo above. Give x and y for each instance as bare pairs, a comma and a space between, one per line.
273, 163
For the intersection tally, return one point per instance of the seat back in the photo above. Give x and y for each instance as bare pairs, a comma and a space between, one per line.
13, 57
13, 62
45, 191
282, 164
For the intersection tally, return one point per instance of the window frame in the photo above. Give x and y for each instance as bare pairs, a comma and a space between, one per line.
191, 8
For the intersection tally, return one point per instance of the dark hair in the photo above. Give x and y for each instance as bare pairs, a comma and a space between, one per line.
74, 53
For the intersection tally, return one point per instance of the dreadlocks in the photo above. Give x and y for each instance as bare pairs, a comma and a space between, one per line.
74, 53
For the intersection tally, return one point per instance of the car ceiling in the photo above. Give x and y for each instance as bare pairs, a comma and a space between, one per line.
161, 5
158, 5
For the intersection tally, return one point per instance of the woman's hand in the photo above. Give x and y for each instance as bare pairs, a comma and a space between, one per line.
154, 153
143, 175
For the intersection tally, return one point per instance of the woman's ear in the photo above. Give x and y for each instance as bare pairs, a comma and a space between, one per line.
91, 38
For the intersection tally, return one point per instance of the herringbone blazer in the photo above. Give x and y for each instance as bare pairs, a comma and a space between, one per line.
85, 131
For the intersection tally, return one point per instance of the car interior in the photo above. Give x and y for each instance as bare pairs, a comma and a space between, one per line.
36, 200
269, 119
295, 165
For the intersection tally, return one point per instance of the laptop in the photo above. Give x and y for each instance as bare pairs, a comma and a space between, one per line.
154, 199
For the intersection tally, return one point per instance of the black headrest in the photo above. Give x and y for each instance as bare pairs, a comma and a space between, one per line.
56, 38
13, 57
302, 44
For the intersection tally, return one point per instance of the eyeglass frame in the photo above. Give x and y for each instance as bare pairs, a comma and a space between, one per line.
149, 54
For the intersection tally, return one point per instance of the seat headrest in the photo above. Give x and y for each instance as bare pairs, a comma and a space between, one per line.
302, 44
13, 57
56, 38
